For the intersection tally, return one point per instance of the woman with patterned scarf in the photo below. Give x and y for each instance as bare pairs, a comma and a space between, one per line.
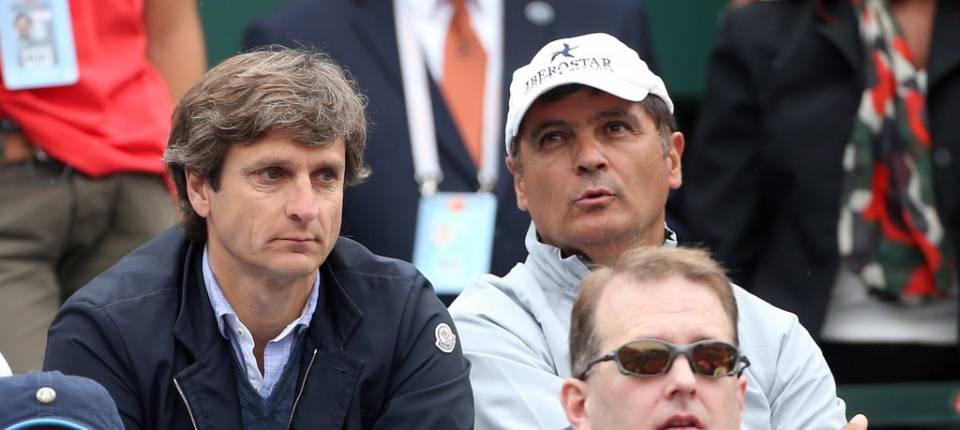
822, 173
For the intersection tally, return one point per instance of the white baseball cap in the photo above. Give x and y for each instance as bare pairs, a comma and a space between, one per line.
596, 60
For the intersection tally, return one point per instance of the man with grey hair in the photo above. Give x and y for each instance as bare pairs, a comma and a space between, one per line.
256, 314
593, 149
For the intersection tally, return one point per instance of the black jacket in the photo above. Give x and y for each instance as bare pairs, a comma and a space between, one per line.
763, 174
145, 329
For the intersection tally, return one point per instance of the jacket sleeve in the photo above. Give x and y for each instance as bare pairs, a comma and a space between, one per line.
724, 170
789, 385
430, 387
514, 386
804, 394
83, 340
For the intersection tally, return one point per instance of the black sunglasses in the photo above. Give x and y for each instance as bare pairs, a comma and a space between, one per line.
652, 357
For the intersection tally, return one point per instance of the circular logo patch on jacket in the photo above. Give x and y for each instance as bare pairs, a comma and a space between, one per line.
446, 340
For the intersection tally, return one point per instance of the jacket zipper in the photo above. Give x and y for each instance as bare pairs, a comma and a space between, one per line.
186, 403
296, 402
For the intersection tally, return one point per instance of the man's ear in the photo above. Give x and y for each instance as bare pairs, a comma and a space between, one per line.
199, 192
675, 146
518, 185
573, 398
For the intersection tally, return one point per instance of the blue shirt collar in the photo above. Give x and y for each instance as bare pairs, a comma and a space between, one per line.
222, 308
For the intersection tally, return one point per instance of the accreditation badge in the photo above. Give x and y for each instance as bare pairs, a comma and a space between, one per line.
36, 40
454, 240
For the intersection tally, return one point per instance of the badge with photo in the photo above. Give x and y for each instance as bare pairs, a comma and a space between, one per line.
36, 39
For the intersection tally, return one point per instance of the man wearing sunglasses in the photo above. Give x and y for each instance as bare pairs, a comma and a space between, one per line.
593, 149
653, 344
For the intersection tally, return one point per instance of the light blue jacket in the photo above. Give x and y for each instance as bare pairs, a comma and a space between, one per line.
514, 332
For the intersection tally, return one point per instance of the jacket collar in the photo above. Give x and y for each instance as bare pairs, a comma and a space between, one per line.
836, 28
548, 262
337, 316
196, 325
202, 381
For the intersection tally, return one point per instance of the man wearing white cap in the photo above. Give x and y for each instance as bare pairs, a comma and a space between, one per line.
593, 149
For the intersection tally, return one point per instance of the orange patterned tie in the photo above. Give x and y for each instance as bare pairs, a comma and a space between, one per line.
464, 76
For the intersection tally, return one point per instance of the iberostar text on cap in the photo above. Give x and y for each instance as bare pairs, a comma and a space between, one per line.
596, 60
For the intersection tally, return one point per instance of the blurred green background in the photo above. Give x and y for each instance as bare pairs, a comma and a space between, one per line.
682, 32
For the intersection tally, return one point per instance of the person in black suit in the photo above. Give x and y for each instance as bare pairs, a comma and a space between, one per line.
361, 36
765, 174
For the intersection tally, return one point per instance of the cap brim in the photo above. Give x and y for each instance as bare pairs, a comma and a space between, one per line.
632, 94
46, 421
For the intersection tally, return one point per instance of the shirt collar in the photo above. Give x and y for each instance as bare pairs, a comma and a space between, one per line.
422, 8
427, 8
223, 310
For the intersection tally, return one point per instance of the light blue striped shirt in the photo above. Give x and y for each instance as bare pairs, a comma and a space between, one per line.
277, 352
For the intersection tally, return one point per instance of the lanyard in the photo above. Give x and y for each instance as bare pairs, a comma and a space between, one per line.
420, 121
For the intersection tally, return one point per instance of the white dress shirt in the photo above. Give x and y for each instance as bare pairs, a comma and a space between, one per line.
432, 19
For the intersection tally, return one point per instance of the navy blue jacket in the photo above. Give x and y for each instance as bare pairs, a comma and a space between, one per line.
145, 329
360, 35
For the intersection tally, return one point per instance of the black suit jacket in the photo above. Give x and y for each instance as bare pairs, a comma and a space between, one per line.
360, 35
763, 172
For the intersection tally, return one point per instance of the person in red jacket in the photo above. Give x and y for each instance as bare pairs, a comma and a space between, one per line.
81, 174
